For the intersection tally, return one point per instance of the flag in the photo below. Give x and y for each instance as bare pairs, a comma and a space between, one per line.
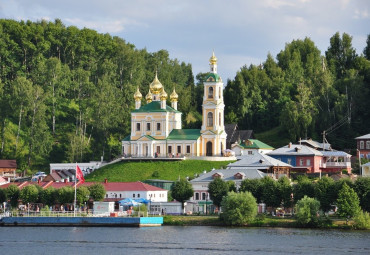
79, 174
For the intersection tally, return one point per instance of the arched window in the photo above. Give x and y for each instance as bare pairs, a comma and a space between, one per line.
210, 92
210, 119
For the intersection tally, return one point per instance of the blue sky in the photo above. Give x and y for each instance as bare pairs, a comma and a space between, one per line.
241, 32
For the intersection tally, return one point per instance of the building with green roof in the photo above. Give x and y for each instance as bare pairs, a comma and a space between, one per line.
250, 147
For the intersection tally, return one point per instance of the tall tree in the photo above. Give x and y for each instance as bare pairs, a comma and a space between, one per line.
182, 191
217, 189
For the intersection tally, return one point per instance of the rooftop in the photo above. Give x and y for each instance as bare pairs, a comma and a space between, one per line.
295, 150
155, 106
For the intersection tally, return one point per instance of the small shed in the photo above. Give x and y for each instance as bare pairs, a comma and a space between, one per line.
8, 168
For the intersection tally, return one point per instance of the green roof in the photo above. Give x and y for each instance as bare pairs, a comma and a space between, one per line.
215, 76
184, 134
256, 144
127, 138
155, 106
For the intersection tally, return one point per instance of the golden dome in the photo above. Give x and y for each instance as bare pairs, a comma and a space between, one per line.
138, 96
163, 95
149, 97
156, 86
174, 96
213, 59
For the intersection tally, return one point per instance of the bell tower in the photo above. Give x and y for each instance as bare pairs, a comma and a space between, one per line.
213, 129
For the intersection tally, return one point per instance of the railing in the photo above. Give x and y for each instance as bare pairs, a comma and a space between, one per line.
69, 214
338, 164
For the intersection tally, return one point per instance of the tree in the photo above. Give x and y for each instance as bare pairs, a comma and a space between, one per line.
182, 191
252, 186
307, 210
48, 196
348, 202
12, 193
97, 192
29, 194
231, 185
269, 191
65, 195
362, 188
238, 208
3, 197
304, 187
325, 193
285, 191
82, 195
367, 48
217, 189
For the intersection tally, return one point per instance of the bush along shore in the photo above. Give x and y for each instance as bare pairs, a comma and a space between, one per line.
262, 220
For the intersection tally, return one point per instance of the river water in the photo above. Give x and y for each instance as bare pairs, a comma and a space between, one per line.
180, 240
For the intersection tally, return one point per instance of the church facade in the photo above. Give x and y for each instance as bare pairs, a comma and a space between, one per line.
156, 128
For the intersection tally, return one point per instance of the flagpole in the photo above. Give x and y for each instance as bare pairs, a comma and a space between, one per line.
74, 206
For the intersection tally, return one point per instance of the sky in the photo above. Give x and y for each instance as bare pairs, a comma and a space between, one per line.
241, 32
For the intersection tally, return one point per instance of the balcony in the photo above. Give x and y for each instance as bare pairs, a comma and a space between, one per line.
336, 164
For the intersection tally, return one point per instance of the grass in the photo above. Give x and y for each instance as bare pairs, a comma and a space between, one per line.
141, 171
275, 137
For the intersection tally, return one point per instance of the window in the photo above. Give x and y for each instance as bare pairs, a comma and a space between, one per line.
219, 93
138, 195
179, 149
196, 196
137, 126
158, 126
187, 148
203, 196
362, 145
289, 161
133, 195
169, 149
368, 145
250, 152
308, 162
115, 195
210, 119
301, 162
147, 126
158, 149
120, 195
210, 92
106, 195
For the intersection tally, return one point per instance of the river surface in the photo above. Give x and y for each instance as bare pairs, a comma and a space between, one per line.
180, 240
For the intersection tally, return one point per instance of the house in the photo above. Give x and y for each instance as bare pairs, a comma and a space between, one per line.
264, 163
8, 168
336, 161
201, 200
156, 128
3, 181
316, 145
365, 170
250, 147
363, 146
304, 159
67, 170
234, 135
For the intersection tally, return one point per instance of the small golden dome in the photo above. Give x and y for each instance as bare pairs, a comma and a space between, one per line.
174, 97
213, 59
156, 86
163, 95
138, 96
149, 97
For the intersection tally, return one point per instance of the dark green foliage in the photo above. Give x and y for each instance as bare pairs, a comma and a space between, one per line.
239, 208
12, 194
82, 195
269, 192
97, 192
181, 191
285, 191
304, 187
65, 195
3, 197
362, 188
217, 189
29, 194
325, 193
48, 196
252, 186
231, 185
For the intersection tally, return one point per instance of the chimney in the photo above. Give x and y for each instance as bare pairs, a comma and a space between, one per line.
105, 180
290, 145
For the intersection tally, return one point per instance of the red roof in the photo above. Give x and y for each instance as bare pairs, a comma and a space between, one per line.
8, 163
110, 186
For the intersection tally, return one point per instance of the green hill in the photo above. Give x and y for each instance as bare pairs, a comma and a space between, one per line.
141, 171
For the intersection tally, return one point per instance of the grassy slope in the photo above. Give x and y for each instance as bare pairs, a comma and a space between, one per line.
274, 137
140, 171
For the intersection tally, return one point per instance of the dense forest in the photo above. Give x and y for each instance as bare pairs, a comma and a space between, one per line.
66, 93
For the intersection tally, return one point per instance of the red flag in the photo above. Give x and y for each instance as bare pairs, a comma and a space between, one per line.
79, 174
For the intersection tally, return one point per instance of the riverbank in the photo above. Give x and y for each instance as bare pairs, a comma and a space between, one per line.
265, 221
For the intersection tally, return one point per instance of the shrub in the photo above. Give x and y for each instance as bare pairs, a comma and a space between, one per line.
307, 212
239, 208
362, 220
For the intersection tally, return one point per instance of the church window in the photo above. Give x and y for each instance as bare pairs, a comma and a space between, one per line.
158, 149
179, 149
210, 92
158, 126
219, 93
196, 196
147, 126
203, 196
187, 148
210, 119
137, 126
169, 149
